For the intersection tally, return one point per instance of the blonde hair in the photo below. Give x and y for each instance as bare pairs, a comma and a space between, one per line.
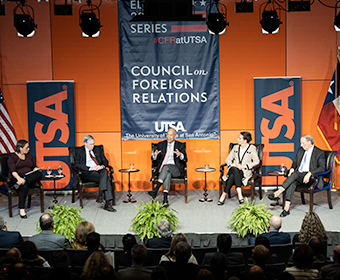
82, 230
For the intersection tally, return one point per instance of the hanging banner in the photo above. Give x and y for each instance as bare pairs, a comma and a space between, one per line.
277, 122
169, 77
51, 127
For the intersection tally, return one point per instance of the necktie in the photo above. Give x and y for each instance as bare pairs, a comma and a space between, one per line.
166, 157
93, 158
303, 163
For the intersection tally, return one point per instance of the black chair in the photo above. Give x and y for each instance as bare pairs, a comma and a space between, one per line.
47, 254
200, 252
10, 193
256, 179
283, 251
82, 185
174, 181
247, 251
154, 256
328, 179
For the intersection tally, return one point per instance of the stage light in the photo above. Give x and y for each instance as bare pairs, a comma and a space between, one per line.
88, 21
217, 18
337, 18
270, 22
24, 21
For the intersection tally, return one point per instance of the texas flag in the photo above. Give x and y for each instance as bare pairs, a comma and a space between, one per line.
329, 119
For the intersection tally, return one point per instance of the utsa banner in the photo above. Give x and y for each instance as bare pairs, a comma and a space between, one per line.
329, 119
169, 77
277, 122
51, 127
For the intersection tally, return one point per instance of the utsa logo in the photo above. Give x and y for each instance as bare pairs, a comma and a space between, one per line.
165, 125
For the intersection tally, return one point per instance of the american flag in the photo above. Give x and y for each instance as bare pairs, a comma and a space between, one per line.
7, 134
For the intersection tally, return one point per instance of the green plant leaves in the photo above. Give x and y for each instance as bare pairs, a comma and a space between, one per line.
144, 224
250, 218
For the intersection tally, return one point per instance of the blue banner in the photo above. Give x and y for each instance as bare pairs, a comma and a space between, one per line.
277, 122
169, 77
51, 127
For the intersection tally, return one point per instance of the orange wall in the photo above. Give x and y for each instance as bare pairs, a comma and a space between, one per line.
306, 46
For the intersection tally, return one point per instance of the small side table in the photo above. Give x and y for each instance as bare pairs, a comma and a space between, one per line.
205, 194
54, 177
129, 170
277, 174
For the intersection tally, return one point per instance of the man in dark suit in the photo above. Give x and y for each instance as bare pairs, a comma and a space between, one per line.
46, 239
164, 229
8, 239
170, 158
91, 160
331, 270
274, 235
308, 161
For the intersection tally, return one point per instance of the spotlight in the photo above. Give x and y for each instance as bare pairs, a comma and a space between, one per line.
270, 22
88, 21
337, 19
217, 20
24, 22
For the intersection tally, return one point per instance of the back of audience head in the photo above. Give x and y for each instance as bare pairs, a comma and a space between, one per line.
94, 264
164, 228
303, 257
59, 256
256, 273
20, 271
93, 241
224, 243
336, 254
316, 245
46, 221
159, 273
82, 230
13, 255
218, 263
28, 250
178, 237
262, 240
182, 252
107, 272
205, 274
312, 226
129, 241
274, 223
260, 255
138, 254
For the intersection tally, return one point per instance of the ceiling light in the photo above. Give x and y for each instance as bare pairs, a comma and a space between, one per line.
270, 22
337, 19
217, 18
24, 21
88, 21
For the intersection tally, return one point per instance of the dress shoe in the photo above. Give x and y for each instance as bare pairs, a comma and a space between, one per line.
220, 203
284, 213
272, 197
23, 216
108, 207
153, 194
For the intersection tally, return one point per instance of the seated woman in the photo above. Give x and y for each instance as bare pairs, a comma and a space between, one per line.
82, 230
29, 255
19, 163
241, 159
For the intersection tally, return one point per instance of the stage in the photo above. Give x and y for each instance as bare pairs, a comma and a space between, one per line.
200, 221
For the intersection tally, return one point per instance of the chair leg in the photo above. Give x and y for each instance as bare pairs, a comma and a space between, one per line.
73, 195
252, 192
81, 196
220, 188
186, 191
113, 187
29, 201
283, 200
10, 204
42, 206
310, 201
329, 199
260, 189
303, 201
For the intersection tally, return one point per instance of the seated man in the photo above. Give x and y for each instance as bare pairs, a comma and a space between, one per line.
308, 161
332, 270
91, 160
273, 234
170, 157
9, 239
164, 229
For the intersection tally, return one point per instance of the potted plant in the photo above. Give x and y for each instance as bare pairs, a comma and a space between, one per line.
144, 224
66, 220
250, 219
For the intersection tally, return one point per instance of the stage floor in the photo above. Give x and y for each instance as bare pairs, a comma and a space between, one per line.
200, 221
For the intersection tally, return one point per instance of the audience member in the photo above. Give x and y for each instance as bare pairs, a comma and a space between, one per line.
331, 270
29, 255
205, 274
224, 242
94, 265
303, 260
274, 235
159, 273
20, 272
164, 229
170, 255
46, 239
136, 271
125, 260
256, 273
12, 257
8, 239
82, 230
107, 272
262, 240
218, 266
181, 269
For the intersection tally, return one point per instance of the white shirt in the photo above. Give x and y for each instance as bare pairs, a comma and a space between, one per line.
309, 155
89, 161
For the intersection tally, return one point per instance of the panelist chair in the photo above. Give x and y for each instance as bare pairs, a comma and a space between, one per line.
82, 185
256, 179
10, 193
327, 176
174, 181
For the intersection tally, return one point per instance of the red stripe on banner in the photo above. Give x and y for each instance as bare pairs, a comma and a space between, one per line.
326, 125
189, 28
203, 13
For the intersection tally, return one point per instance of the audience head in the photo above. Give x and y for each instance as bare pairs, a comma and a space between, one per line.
2, 223
107, 272
262, 240
164, 228
256, 273
205, 274
316, 245
46, 221
129, 241
93, 265
274, 223
303, 257
59, 256
93, 241
336, 254
260, 255
138, 254
82, 230
246, 136
20, 144
178, 237
182, 252
312, 226
13, 255
224, 242
159, 273
20, 271
28, 250
218, 263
